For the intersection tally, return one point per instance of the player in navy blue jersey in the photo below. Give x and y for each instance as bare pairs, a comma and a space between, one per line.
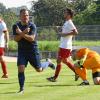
25, 33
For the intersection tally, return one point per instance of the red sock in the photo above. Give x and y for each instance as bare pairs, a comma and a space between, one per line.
58, 68
70, 65
4, 68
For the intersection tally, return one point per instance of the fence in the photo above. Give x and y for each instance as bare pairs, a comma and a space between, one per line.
50, 54
43, 54
86, 32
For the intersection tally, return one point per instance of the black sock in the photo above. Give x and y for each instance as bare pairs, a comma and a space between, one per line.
21, 78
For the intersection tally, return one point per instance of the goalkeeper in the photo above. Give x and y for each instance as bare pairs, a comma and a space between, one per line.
87, 59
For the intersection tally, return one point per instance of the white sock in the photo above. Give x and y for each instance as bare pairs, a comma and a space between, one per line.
86, 81
44, 65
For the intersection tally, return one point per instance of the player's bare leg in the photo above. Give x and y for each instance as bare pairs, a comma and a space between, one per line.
4, 67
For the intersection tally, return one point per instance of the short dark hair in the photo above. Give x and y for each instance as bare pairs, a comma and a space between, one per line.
23, 10
74, 51
69, 11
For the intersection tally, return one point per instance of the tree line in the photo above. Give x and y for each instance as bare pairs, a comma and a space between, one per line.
50, 12
8, 16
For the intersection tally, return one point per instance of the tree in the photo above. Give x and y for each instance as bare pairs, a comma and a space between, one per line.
80, 5
96, 15
2, 8
10, 15
49, 12
87, 16
10, 18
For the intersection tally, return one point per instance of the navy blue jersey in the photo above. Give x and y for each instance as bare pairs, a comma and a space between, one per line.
24, 45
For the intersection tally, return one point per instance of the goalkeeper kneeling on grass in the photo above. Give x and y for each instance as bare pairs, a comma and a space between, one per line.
87, 59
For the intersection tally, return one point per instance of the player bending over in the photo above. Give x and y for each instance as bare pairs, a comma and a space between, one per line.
87, 59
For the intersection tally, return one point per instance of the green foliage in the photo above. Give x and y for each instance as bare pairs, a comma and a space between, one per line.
9, 17
48, 45
86, 16
47, 33
86, 43
49, 12
53, 45
12, 46
96, 15
80, 5
2, 8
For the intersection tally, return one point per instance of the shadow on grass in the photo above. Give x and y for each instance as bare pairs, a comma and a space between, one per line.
60, 85
9, 93
15, 82
9, 83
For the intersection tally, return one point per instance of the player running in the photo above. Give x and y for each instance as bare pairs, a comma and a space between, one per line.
65, 48
87, 59
4, 38
25, 35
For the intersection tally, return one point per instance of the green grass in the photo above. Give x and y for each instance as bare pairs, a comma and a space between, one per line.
75, 43
38, 88
86, 43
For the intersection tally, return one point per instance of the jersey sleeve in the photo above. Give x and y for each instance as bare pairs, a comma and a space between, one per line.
72, 26
33, 29
14, 29
4, 27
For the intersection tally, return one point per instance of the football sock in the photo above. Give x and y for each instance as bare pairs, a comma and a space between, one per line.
44, 65
58, 68
70, 65
4, 68
21, 78
81, 73
86, 81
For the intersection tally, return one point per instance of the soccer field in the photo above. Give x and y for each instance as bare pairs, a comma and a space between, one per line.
38, 88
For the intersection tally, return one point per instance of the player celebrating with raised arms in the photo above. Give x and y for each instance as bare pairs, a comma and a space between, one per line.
65, 48
87, 59
25, 35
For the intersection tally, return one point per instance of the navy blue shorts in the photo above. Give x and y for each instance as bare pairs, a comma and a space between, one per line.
32, 57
